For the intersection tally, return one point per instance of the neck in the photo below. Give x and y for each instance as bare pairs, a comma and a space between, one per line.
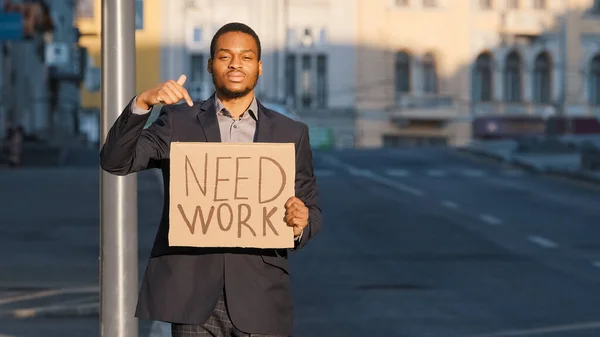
236, 106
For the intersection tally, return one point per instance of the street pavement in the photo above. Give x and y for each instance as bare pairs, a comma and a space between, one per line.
415, 242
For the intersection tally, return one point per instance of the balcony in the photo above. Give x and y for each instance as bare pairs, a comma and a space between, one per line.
424, 101
527, 22
424, 108
508, 109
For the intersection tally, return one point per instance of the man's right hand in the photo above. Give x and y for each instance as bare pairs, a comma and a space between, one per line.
169, 92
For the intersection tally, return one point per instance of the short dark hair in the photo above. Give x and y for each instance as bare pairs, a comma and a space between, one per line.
234, 27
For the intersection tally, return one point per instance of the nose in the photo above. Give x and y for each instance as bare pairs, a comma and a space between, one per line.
235, 63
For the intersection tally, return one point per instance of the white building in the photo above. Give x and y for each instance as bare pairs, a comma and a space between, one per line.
307, 47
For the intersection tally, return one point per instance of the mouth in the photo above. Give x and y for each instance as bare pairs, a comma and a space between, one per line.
235, 76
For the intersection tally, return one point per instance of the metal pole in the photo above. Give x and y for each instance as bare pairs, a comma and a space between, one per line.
118, 195
564, 67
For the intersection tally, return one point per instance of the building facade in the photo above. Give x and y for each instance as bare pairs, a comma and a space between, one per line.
386, 72
447, 71
308, 54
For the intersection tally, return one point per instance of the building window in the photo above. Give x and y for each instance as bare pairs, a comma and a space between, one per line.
512, 4
512, 78
139, 14
290, 79
197, 34
595, 10
403, 73
485, 4
594, 81
482, 78
197, 73
429, 3
539, 4
322, 81
430, 81
542, 83
306, 79
85, 9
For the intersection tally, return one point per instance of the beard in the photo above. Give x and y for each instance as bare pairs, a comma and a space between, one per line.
233, 94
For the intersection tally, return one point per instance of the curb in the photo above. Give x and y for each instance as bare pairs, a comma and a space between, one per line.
575, 175
482, 153
579, 176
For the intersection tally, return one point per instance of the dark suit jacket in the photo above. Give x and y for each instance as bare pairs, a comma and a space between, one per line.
182, 284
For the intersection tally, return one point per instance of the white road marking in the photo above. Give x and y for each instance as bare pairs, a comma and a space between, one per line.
397, 173
436, 173
370, 175
543, 242
324, 173
48, 293
473, 173
450, 204
492, 220
513, 173
359, 172
544, 330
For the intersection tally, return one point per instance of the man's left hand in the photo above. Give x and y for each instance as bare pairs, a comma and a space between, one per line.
296, 215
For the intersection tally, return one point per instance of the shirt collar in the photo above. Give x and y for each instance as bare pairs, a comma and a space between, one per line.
252, 109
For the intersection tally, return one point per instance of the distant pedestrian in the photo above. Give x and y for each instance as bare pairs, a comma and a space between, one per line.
15, 145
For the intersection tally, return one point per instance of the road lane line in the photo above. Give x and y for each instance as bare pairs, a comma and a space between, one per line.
543, 330
450, 204
543, 242
436, 173
370, 175
324, 173
473, 173
48, 293
492, 220
512, 173
359, 172
397, 173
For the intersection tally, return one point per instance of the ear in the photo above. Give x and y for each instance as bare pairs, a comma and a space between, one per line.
259, 68
209, 65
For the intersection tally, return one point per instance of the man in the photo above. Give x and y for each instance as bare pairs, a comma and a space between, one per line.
216, 291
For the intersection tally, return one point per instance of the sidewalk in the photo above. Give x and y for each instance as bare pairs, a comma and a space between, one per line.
562, 163
49, 241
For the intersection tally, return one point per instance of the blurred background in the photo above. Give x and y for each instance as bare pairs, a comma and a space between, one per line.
456, 147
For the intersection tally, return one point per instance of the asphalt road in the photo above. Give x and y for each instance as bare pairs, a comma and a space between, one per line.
418, 242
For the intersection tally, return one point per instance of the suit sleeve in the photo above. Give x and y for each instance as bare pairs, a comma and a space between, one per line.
131, 148
306, 188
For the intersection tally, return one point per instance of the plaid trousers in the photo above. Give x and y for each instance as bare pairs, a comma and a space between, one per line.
218, 325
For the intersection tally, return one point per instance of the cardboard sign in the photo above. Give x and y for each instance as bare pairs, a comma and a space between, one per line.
231, 194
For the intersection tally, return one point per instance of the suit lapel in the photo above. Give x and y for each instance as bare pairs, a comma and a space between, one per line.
208, 120
264, 130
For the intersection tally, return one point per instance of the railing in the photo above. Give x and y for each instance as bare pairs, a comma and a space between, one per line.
424, 101
512, 109
529, 22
